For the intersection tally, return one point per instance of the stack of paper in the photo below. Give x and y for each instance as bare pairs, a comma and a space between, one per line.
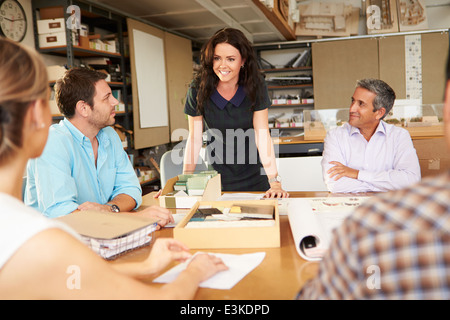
110, 234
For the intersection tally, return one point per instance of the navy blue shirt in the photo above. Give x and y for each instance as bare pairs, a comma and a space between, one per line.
231, 146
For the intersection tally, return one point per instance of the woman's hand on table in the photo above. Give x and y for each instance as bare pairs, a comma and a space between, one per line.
164, 251
276, 191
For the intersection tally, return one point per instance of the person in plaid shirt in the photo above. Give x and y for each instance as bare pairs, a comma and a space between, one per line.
394, 246
229, 99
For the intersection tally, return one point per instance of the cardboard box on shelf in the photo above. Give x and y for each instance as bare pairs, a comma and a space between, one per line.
120, 107
433, 155
84, 42
51, 12
51, 26
56, 39
145, 174
212, 192
96, 43
84, 36
109, 45
84, 30
121, 132
314, 130
246, 236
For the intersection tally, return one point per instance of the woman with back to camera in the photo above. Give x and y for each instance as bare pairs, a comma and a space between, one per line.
229, 97
36, 252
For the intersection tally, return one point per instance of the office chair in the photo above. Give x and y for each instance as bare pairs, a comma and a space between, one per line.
171, 165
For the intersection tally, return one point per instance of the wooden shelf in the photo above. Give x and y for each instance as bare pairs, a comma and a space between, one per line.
294, 86
149, 180
80, 52
293, 105
58, 115
307, 68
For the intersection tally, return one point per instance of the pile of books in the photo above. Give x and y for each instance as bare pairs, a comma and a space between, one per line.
194, 184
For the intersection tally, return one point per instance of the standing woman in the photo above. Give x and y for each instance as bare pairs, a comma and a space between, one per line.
229, 97
36, 252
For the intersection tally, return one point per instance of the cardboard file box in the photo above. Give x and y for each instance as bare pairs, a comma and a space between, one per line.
56, 39
237, 237
212, 191
51, 26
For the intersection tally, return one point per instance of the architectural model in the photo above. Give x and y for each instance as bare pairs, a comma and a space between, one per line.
327, 19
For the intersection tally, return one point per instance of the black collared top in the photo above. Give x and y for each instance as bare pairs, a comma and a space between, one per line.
231, 147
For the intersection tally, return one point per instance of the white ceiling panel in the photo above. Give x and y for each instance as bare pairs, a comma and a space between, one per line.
199, 19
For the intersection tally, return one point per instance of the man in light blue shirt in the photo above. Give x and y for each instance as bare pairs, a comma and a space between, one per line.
84, 165
367, 154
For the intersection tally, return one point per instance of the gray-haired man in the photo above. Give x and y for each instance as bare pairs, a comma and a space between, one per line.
367, 154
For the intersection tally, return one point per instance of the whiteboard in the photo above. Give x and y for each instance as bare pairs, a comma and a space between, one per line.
151, 80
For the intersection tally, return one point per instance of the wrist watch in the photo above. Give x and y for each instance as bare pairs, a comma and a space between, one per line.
114, 207
277, 178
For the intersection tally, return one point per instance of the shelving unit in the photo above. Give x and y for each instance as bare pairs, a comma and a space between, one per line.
289, 96
95, 18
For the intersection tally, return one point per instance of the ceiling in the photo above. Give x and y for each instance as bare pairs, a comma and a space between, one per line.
199, 19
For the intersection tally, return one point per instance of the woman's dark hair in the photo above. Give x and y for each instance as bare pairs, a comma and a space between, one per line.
249, 76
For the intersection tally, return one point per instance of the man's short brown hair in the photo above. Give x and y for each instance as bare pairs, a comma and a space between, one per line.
76, 84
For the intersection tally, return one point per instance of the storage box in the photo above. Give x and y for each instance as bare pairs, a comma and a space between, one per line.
433, 155
84, 30
109, 46
56, 39
212, 192
120, 107
234, 237
84, 36
84, 42
96, 44
51, 26
314, 130
103, 45
51, 12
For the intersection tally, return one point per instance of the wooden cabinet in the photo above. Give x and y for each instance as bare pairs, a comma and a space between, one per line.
338, 64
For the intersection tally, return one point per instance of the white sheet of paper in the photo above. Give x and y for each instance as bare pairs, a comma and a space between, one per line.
177, 217
239, 265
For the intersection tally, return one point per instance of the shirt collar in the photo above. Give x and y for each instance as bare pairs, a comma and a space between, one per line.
221, 102
78, 135
380, 128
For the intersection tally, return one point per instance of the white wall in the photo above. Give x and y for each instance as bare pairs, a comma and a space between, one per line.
29, 38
